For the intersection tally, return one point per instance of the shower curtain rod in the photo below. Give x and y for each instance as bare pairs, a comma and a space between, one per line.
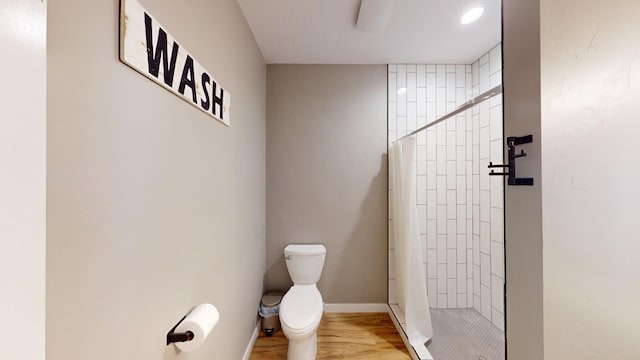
466, 106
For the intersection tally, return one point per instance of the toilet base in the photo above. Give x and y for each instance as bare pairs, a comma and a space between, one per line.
304, 349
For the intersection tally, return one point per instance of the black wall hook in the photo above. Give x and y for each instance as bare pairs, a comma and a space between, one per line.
173, 337
512, 142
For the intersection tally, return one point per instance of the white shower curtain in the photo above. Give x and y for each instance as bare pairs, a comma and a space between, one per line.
411, 290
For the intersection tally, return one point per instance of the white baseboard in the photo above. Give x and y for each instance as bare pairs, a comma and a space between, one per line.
355, 308
252, 342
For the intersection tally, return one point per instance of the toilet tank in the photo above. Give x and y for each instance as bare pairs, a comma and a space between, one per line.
304, 262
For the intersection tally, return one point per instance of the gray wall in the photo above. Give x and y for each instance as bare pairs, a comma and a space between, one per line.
523, 204
327, 175
153, 207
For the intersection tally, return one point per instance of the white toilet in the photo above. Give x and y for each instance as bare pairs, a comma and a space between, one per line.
301, 307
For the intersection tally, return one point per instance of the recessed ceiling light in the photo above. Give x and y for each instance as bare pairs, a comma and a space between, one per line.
472, 15
402, 91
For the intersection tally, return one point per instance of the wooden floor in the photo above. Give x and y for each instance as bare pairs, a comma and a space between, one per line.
343, 336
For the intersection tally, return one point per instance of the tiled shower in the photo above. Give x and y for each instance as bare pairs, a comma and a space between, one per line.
460, 206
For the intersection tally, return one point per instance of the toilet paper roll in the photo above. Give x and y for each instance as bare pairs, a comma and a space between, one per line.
200, 322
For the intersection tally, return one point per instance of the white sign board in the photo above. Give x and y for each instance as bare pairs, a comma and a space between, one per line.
147, 47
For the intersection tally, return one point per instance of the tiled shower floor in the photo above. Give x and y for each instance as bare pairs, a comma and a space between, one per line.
464, 334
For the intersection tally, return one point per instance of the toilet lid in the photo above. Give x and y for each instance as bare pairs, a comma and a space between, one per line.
301, 307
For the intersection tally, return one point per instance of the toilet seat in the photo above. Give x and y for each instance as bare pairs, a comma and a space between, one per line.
301, 309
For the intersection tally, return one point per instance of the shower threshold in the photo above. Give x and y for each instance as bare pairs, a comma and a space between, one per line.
416, 352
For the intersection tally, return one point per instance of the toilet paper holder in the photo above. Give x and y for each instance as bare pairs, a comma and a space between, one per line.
173, 337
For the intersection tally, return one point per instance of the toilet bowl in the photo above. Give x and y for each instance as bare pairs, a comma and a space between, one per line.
301, 308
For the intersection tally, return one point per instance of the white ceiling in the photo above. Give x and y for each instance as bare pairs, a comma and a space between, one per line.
324, 32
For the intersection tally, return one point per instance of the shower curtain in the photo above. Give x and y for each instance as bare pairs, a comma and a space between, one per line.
411, 290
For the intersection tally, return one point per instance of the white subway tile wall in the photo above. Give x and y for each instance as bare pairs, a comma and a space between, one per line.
459, 204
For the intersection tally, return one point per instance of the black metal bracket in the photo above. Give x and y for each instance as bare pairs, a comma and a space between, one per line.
512, 142
173, 337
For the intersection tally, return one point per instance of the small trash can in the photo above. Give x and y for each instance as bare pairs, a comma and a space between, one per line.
269, 312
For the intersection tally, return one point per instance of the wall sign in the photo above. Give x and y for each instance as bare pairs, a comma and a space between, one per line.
149, 49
